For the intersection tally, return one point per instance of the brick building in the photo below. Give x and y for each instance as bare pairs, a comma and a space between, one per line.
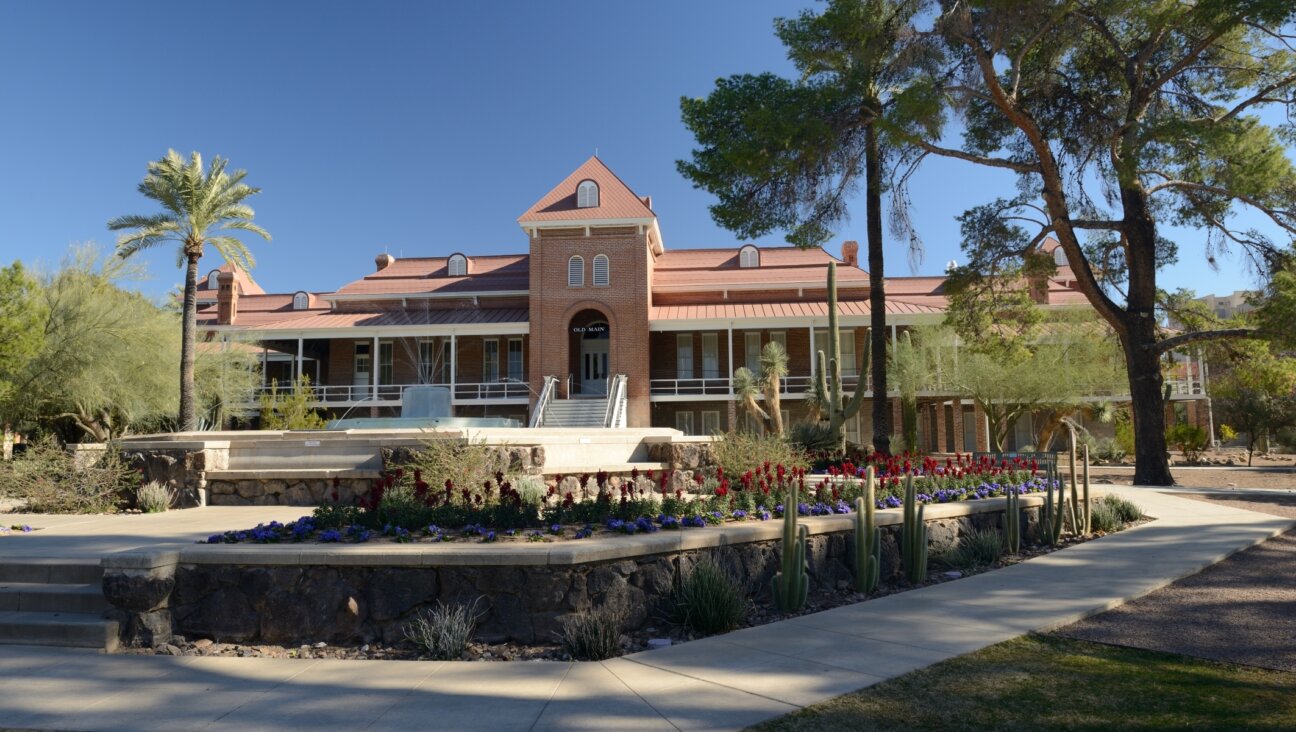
598, 294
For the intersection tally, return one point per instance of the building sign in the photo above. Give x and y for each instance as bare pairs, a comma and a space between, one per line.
595, 329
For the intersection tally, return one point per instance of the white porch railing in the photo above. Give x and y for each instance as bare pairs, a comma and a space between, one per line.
795, 386
390, 394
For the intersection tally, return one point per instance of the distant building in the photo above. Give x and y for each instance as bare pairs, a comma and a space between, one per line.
1227, 306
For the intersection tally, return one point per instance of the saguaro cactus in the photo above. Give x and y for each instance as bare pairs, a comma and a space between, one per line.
913, 535
868, 540
791, 585
828, 382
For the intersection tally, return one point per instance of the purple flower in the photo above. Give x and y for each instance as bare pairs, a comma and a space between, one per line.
330, 536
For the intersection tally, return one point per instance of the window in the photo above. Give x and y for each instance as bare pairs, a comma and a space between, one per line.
385, 353
213, 279
684, 356
1059, 257
752, 425
710, 423
301, 301
752, 348
710, 357
601, 276
515, 369
748, 257
361, 363
846, 344
490, 360
587, 194
434, 362
576, 271
684, 422
457, 266
779, 337
852, 429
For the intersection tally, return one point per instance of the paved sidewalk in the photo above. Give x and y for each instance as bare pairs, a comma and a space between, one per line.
725, 682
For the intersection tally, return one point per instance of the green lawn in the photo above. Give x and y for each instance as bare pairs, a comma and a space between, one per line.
1048, 682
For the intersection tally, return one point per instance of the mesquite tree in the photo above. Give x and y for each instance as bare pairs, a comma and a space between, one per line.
1120, 116
786, 154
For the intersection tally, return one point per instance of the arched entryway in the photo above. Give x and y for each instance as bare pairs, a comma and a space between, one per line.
590, 353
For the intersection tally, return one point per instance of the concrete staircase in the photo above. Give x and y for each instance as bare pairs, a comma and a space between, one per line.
575, 413
54, 602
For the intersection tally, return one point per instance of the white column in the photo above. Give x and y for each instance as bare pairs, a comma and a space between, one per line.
814, 358
895, 339
731, 361
373, 364
454, 365
265, 363
299, 357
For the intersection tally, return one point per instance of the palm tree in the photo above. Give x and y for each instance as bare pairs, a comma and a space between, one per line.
774, 366
195, 202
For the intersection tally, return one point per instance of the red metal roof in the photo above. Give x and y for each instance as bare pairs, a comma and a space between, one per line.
756, 310
492, 273
244, 281
616, 200
710, 269
308, 320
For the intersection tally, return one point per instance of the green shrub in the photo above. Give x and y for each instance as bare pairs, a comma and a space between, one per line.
813, 437
466, 463
1125, 509
708, 599
593, 635
1104, 519
979, 548
738, 452
50, 479
153, 497
331, 516
291, 409
1109, 449
1190, 439
1125, 434
444, 631
399, 506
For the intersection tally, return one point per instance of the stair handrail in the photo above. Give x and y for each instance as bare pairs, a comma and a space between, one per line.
615, 397
542, 402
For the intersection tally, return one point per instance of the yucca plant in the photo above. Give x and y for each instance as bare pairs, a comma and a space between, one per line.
197, 204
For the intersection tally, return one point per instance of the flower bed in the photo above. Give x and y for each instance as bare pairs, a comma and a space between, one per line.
401, 507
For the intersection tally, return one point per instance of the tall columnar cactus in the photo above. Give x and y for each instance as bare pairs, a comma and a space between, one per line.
913, 535
1086, 510
828, 382
791, 585
868, 540
1076, 529
1053, 512
1012, 521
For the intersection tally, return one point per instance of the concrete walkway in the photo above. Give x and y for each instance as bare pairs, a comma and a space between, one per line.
725, 682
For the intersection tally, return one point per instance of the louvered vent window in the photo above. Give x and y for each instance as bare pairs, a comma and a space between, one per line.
601, 274
576, 271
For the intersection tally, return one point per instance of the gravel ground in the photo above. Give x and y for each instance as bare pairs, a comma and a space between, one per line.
1241, 610
1267, 478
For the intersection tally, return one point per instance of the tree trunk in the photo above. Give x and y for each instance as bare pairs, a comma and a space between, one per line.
877, 293
187, 337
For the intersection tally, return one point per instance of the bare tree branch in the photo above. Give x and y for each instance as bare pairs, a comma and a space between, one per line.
1179, 341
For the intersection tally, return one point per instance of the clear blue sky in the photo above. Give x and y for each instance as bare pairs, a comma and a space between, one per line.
419, 128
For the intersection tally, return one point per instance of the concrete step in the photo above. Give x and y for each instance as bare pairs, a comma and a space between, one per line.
55, 571
71, 630
51, 598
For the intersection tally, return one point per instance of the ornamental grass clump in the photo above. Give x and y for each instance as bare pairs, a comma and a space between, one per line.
593, 635
153, 497
1104, 518
1126, 510
709, 600
980, 548
444, 631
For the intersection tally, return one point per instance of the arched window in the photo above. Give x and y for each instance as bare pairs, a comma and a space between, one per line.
1059, 257
587, 194
301, 301
457, 266
213, 279
601, 275
749, 256
576, 271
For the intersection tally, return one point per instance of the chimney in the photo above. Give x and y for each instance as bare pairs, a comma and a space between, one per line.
647, 201
850, 253
226, 299
384, 261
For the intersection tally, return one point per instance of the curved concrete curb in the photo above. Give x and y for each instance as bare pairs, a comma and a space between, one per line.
724, 682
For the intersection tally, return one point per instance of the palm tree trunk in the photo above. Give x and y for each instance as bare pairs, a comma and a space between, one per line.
877, 293
188, 328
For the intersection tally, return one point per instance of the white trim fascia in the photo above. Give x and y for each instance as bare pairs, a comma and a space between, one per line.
844, 321
334, 297
366, 331
761, 286
532, 226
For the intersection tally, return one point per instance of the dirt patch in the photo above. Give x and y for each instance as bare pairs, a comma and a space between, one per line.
1241, 610
1258, 478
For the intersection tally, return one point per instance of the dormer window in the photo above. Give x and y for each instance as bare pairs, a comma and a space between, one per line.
301, 301
213, 280
457, 266
1059, 257
749, 257
576, 271
587, 194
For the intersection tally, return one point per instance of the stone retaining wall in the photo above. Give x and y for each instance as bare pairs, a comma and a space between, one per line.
284, 490
357, 594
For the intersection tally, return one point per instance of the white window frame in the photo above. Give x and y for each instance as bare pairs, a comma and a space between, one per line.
1060, 257
749, 257
516, 374
710, 423
490, 360
710, 355
846, 340
587, 194
684, 422
213, 279
457, 265
779, 337
576, 271
301, 301
602, 271
684, 356
430, 371
386, 363
752, 358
